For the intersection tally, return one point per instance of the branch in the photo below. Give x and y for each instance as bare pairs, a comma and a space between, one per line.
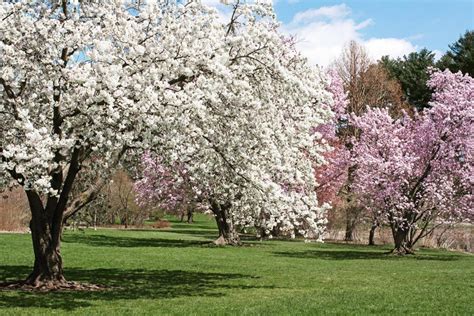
425, 174
89, 195
69, 181
231, 165
8, 89
15, 175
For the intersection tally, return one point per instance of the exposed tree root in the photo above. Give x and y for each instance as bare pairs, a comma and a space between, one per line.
50, 286
401, 251
222, 241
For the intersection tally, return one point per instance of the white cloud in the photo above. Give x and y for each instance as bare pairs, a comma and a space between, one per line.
395, 47
323, 32
333, 12
212, 3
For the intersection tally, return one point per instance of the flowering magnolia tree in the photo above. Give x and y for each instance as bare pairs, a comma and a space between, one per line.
246, 139
332, 175
232, 103
167, 188
78, 79
416, 172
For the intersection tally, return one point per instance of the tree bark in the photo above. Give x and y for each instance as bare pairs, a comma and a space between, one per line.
372, 235
350, 225
374, 226
190, 215
227, 232
400, 239
46, 237
46, 227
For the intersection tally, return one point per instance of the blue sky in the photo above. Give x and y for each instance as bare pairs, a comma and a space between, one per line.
394, 27
433, 24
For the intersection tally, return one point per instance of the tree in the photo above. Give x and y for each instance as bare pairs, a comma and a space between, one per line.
253, 166
416, 170
351, 66
63, 106
460, 56
367, 85
412, 73
167, 188
80, 78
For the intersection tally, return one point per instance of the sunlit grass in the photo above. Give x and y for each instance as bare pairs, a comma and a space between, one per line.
177, 271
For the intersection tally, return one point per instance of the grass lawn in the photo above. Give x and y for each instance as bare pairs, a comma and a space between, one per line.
177, 271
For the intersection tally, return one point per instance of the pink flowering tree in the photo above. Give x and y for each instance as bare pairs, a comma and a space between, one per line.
416, 172
332, 174
169, 189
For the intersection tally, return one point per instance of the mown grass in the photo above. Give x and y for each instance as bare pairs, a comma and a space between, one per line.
177, 271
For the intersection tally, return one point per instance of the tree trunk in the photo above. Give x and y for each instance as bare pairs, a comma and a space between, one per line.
46, 227
227, 233
350, 226
46, 236
190, 215
372, 233
401, 246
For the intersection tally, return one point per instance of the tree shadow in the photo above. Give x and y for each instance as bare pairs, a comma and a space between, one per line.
131, 242
124, 285
113, 241
208, 233
193, 226
345, 254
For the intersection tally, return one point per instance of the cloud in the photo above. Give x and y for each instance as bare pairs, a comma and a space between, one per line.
333, 12
395, 47
323, 32
218, 2
212, 3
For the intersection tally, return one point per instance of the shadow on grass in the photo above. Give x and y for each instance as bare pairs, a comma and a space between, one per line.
112, 241
193, 226
124, 285
208, 233
345, 254
127, 242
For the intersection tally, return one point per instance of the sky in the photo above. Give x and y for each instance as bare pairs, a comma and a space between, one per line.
385, 27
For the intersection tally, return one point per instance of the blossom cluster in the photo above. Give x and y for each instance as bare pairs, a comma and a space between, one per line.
417, 171
231, 103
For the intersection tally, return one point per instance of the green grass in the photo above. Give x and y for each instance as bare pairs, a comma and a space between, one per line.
176, 271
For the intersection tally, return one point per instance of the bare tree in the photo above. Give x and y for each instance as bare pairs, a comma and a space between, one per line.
368, 85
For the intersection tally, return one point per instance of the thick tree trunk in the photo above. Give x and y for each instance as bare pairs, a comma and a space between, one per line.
400, 240
48, 266
46, 230
227, 232
46, 227
350, 227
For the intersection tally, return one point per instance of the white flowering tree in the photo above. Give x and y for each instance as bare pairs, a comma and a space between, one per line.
246, 139
78, 79
233, 103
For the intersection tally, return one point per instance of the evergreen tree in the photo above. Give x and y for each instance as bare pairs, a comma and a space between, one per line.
460, 56
412, 73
